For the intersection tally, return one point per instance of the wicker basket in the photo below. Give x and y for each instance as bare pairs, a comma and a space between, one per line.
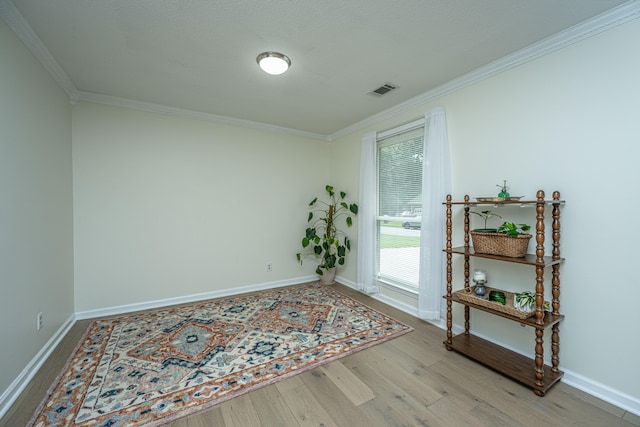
469, 295
500, 244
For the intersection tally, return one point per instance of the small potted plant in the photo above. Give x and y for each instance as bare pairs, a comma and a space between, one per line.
510, 240
485, 215
526, 301
511, 229
323, 239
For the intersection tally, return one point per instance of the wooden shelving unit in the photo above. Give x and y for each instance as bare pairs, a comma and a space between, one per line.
531, 372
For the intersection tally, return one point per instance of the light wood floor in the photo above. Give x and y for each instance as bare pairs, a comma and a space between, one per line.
408, 381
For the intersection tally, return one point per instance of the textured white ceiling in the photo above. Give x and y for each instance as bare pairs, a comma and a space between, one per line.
199, 55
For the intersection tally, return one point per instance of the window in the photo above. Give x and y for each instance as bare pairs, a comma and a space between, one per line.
399, 199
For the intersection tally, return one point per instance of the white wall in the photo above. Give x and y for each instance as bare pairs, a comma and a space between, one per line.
36, 264
567, 122
167, 207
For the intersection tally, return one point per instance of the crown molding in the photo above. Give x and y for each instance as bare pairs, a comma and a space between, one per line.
606, 21
25, 33
191, 114
601, 23
23, 30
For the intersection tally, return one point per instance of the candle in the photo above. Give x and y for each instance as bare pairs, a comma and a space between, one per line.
479, 276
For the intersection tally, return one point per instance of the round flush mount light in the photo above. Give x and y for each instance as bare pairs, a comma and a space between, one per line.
273, 63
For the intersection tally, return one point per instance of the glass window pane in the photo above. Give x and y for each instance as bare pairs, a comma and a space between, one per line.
399, 207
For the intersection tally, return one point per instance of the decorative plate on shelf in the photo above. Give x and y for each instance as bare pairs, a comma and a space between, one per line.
499, 199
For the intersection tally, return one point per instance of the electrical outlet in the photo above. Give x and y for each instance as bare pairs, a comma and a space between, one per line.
269, 268
40, 320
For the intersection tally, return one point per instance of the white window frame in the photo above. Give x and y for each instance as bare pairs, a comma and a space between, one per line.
391, 282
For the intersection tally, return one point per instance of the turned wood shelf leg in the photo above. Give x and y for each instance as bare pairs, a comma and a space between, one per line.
555, 283
539, 358
467, 311
449, 276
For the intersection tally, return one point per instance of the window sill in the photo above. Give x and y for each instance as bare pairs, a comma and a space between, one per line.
402, 289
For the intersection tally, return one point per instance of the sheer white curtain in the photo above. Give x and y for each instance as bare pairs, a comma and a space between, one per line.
436, 184
366, 271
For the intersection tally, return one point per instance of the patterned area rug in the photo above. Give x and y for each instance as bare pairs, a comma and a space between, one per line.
151, 368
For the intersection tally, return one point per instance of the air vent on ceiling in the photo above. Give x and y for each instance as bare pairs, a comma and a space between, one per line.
384, 89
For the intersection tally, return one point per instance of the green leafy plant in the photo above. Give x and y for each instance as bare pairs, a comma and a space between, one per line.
511, 229
323, 239
485, 215
528, 299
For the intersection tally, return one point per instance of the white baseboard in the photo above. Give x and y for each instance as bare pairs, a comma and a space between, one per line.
382, 298
18, 385
601, 391
346, 282
129, 308
396, 304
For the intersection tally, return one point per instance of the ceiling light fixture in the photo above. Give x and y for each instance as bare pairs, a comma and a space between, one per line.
273, 63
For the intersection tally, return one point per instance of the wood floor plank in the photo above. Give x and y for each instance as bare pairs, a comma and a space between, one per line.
239, 412
424, 354
579, 394
408, 383
490, 387
333, 400
489, 415
351, 386
207, 418
272, 407
440, 383
386, 413
566, 408
631, 418
391, 395
451, 415
409, 361
303, 405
